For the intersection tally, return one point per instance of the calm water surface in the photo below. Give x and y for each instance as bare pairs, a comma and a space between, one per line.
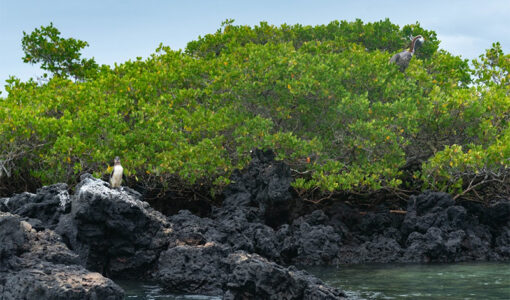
431, 281
152, 291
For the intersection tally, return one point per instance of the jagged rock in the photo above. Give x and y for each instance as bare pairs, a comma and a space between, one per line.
434, 229
264, 184
439, 230
37, 265
243, 231
503, 242
213, 269
195, 269
259, 206
193, 230
379, 249
234, 252
377, 223
112, 230
44, 208
308, 242
49, 281
253, 277
115, 233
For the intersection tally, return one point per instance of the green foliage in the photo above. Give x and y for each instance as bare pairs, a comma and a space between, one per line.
60, 56
382, 35
478, 153
493, 67
324, 98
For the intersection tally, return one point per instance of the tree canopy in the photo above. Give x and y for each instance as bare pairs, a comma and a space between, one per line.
58, 55
323, 97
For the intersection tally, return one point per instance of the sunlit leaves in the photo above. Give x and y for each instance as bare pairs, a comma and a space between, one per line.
323, 97
58, 55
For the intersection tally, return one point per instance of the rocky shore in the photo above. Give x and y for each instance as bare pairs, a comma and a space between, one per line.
35, 264
246, 248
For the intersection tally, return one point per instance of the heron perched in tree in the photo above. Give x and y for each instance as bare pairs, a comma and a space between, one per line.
117, 173
403, 58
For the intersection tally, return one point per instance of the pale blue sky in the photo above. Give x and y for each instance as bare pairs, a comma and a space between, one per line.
122, 30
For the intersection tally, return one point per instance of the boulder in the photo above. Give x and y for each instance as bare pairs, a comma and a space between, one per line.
112, 230
250, 276
439, 230
260, 215
37, 265
378, 249
43, 208
212, 269
195, 269
265, 184
309, 241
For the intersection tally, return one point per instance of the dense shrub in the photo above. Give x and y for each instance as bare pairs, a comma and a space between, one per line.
324, 98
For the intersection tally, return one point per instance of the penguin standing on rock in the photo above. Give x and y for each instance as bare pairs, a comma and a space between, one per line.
117, 174
403, 58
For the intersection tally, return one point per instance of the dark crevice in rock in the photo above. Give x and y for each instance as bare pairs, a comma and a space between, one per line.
170, 203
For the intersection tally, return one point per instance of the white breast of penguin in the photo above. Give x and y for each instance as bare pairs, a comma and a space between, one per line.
116, 179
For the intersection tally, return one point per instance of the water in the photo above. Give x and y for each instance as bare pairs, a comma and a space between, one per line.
431, 281
151, 291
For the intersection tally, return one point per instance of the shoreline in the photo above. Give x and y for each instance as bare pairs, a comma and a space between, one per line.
249, 245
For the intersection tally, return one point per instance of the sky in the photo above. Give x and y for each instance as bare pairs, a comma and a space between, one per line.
121, 30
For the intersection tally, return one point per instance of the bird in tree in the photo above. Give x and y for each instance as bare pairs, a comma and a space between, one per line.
403, 58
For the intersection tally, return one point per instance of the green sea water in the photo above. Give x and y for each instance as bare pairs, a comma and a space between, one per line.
429, 281
137, 290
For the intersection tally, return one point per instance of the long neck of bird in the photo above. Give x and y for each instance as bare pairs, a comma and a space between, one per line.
413, 43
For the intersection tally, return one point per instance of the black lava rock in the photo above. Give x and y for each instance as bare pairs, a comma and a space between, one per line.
43, 208
37, 265
113, 231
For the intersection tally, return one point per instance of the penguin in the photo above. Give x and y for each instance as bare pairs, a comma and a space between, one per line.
117, 174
